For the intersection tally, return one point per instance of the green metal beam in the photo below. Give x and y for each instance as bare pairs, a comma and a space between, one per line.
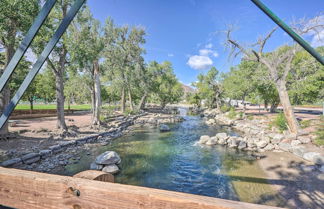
288, 30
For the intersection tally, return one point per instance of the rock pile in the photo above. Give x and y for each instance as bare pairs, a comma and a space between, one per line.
164, 128
107, 162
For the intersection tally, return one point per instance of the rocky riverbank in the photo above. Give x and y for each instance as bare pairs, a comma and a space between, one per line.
66, 151
258, 137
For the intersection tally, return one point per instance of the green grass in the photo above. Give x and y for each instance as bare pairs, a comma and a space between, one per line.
52, 106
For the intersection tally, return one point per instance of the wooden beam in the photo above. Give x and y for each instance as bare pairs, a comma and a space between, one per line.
28, 189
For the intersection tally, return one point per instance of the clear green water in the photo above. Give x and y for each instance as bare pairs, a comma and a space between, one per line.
171, 161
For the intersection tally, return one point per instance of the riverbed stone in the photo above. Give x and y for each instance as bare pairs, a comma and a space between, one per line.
276, 139
298, 150
269, 147
261, 144
45, 153
30, 158
212, 141
95, 166
285, 146
204, 139
295, 142
304, 139
108, 158
314, 157
112, 169
242, 145
55, 148
12, 162
164, 128
233, 142
222, 136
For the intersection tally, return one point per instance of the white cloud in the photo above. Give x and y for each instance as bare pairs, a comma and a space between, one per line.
317, 36
170, 55
199, 62
209, 46
207, 52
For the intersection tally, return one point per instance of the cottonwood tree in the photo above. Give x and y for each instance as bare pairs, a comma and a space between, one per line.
15, 19
278, 64
123, 52
85, 47
210, 88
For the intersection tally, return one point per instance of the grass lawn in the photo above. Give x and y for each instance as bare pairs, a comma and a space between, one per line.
52, 106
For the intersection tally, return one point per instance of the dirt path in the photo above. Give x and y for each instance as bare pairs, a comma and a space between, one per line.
295, 179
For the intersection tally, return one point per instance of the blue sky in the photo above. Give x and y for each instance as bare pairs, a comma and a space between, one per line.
187, 32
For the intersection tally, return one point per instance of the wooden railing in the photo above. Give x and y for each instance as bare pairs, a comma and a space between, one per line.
28, 189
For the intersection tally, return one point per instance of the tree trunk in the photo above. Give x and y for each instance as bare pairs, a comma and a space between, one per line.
97, 93
141, 105
266, 105
130, 100
287, 108
59, 86
5, 94
123, 100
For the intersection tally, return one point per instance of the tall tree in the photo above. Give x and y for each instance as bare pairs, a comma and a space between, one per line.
86, 45
278, 64
15, 19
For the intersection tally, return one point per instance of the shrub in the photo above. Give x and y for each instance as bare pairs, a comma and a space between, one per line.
280, 122
232, 114
319, 140
305, 123
225, 108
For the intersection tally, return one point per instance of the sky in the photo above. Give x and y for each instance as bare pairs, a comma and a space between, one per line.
188, 33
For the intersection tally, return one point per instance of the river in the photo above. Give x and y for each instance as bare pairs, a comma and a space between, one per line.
172, 161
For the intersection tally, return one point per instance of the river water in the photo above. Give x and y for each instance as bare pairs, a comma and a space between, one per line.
172, 161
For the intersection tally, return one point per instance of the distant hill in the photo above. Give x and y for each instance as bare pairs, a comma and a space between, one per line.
188, 89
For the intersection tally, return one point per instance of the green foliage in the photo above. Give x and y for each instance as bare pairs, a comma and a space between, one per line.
209, 88
250, 117
319, 140
305, 123
225, 108
232, 114
280, 122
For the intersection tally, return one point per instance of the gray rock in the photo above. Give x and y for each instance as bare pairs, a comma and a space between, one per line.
285, 147
164, 128
298, 150
304, 140
261, 144
222, 136
108, 158
111, 169
308, 168
55, 148
222, 141
269, 147
295, 142
314, 157
11, 162
30, 158
233, 142
212, 141
204, 139
67, 143
44, 153
276, 139
242, 145
94, 166
321, 168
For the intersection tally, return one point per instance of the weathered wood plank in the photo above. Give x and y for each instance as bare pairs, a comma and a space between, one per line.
96, 175
27, 189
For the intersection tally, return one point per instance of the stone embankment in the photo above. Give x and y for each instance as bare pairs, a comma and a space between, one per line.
257, 136
67, 151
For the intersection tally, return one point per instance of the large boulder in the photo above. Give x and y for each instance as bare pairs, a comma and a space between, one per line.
269, 147
164, 128
204, 139
285, 146
295, 142
95, 166
108, 158
111, 169
233, 141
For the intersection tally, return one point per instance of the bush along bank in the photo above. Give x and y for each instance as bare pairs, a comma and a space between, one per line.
256, 136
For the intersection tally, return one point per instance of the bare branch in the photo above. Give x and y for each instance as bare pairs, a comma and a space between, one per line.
263, 41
